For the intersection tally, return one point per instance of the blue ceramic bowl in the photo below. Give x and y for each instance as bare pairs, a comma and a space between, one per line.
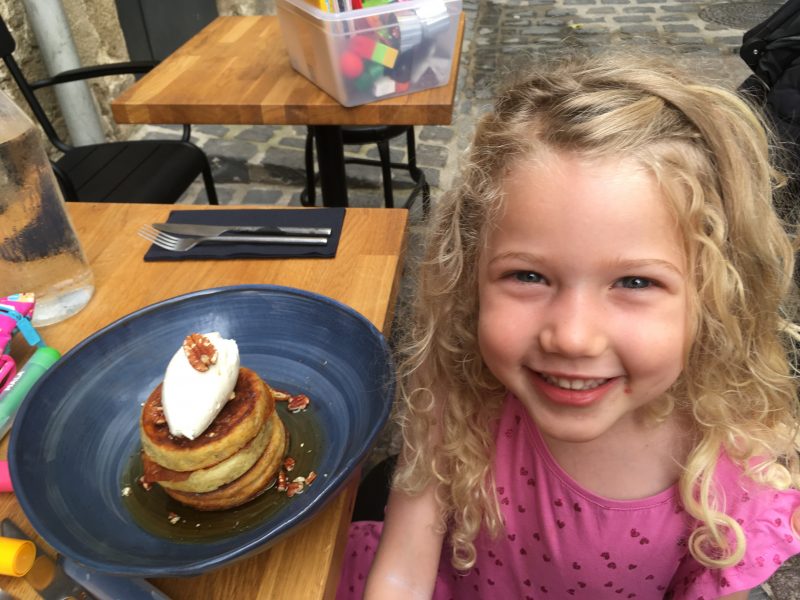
75, 442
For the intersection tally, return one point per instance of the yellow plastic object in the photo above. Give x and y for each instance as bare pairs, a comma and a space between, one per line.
16, 556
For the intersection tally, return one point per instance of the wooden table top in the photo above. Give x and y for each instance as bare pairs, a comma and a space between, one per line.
237, 71
364, 275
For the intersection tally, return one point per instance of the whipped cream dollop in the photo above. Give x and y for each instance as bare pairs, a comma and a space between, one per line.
191, 398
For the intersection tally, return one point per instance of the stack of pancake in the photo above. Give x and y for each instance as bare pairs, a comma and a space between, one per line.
236, 458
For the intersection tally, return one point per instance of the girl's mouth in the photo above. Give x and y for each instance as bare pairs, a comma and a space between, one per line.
572, 391
572, 384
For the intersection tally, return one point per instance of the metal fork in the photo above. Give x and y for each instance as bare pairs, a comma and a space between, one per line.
182, 244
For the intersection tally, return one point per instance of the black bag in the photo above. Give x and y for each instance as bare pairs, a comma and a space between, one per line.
772, 50
773, 46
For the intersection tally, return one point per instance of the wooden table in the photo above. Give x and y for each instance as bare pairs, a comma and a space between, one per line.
364, 275
236, 71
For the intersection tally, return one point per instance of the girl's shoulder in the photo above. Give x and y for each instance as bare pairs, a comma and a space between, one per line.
750, 500
764, 513
749, 491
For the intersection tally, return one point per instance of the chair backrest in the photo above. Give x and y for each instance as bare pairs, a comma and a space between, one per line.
7, 47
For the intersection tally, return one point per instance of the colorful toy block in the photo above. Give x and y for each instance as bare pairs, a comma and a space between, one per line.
368, 49
372, 72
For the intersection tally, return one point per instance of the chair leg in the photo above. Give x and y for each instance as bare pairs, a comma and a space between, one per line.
208, 180
308, 195
413, 169
417, 174
386, 168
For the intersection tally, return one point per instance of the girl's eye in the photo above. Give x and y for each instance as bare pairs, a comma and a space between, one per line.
528, 277
635, 282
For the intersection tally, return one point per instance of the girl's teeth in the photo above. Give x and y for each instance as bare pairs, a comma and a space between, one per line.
574, 384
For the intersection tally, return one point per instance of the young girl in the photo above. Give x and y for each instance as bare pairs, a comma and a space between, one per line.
598, 398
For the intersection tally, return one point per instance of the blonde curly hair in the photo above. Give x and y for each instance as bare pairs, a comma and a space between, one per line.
710, 153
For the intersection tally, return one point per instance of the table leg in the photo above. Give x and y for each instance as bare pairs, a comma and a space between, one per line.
330, 162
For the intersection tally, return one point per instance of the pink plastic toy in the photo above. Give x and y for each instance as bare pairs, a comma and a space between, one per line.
15, 314
5, 478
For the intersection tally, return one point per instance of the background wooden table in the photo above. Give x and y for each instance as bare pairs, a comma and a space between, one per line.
364, 275
236, 71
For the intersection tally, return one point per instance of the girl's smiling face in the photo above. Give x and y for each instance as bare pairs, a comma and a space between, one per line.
583, 294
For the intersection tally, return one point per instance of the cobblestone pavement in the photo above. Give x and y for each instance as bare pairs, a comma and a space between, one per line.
264, 165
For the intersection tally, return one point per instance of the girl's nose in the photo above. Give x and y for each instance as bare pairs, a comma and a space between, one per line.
573, 326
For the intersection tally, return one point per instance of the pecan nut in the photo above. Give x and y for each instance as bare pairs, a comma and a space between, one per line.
283, 482
199, 351
298, 403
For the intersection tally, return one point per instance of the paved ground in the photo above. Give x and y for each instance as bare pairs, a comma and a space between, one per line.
499, 34
264, 165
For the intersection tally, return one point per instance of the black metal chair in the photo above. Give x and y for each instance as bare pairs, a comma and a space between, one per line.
379, 135
141, 171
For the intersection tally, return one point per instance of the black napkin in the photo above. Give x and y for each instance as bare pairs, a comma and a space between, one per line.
302, 217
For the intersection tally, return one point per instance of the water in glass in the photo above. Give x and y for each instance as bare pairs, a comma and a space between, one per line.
39, 251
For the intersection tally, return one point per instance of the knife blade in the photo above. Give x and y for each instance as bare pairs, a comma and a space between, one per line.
213, 230
111, 587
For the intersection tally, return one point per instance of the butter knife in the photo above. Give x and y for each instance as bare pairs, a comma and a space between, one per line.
214, 230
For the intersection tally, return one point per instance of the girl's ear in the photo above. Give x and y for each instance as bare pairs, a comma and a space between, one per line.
796, 522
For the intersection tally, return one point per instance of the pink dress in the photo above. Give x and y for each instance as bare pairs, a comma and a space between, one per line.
562, 541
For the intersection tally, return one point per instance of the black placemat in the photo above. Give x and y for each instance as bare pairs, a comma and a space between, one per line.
302, 217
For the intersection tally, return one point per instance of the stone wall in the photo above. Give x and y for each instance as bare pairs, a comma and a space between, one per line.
98, 38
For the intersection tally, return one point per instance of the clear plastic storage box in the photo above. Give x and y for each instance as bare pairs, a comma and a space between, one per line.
368, 54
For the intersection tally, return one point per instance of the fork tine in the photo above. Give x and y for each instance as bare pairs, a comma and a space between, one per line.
168, 237
147, 233
149, 229
167, 242
154, 236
